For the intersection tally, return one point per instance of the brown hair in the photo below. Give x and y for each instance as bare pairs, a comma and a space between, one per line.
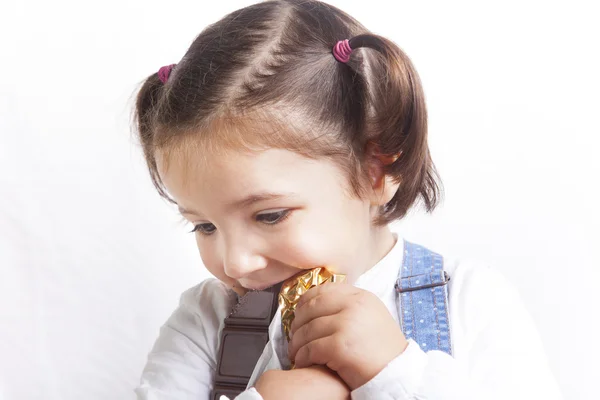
271, 64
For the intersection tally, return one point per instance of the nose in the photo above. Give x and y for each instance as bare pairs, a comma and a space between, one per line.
241, 259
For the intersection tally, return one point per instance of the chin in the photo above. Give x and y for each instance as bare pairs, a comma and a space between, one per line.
266, 284
259, 286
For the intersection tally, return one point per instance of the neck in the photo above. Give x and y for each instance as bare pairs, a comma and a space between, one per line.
381, 242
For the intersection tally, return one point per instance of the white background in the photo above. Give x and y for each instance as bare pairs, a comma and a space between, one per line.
92, 261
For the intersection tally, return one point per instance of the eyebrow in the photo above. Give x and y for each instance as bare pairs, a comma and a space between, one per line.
185, 211
245, 202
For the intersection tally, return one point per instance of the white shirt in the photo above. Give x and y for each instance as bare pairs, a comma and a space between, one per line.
497, 352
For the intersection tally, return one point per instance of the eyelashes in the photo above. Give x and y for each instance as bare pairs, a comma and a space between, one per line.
273, 218
205, 229
269, 219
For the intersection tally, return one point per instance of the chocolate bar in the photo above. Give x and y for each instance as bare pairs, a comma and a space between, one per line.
243, 339
296, 286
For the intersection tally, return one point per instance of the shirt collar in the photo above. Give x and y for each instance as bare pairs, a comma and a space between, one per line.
383, 275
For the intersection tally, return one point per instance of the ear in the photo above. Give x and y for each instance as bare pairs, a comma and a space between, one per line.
383, 187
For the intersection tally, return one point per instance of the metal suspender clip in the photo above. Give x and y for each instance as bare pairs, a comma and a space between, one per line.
399, 288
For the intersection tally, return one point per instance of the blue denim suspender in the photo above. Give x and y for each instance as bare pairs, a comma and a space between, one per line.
423, 299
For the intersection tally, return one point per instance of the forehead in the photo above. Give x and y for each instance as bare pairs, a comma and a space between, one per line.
196, 176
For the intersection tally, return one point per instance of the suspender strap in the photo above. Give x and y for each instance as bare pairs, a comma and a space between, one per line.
244, 336
423, 298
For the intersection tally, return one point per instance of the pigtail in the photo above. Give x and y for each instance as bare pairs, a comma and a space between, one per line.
147, 102
398, 125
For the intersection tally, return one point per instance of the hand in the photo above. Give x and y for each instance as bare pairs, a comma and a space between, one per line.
316, 382
348, 329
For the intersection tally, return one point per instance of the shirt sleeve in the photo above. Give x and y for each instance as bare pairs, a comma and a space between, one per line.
498, 353
182, 362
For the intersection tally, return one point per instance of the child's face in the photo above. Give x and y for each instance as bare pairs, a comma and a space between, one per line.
263, 217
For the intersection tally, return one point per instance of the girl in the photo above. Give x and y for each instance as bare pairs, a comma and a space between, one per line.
289, 136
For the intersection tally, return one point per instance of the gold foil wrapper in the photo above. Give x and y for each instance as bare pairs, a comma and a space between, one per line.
295, 287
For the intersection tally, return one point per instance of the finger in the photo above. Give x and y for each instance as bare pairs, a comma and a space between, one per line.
321, 305
317, 352
315, 329
327, 287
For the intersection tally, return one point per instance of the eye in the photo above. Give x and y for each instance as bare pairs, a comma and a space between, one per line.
273, 218
205, 229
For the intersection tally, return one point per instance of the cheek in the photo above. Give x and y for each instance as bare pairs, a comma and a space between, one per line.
316, 249
330, 239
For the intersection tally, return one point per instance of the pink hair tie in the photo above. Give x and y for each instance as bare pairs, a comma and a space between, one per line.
164, 72
342, 51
